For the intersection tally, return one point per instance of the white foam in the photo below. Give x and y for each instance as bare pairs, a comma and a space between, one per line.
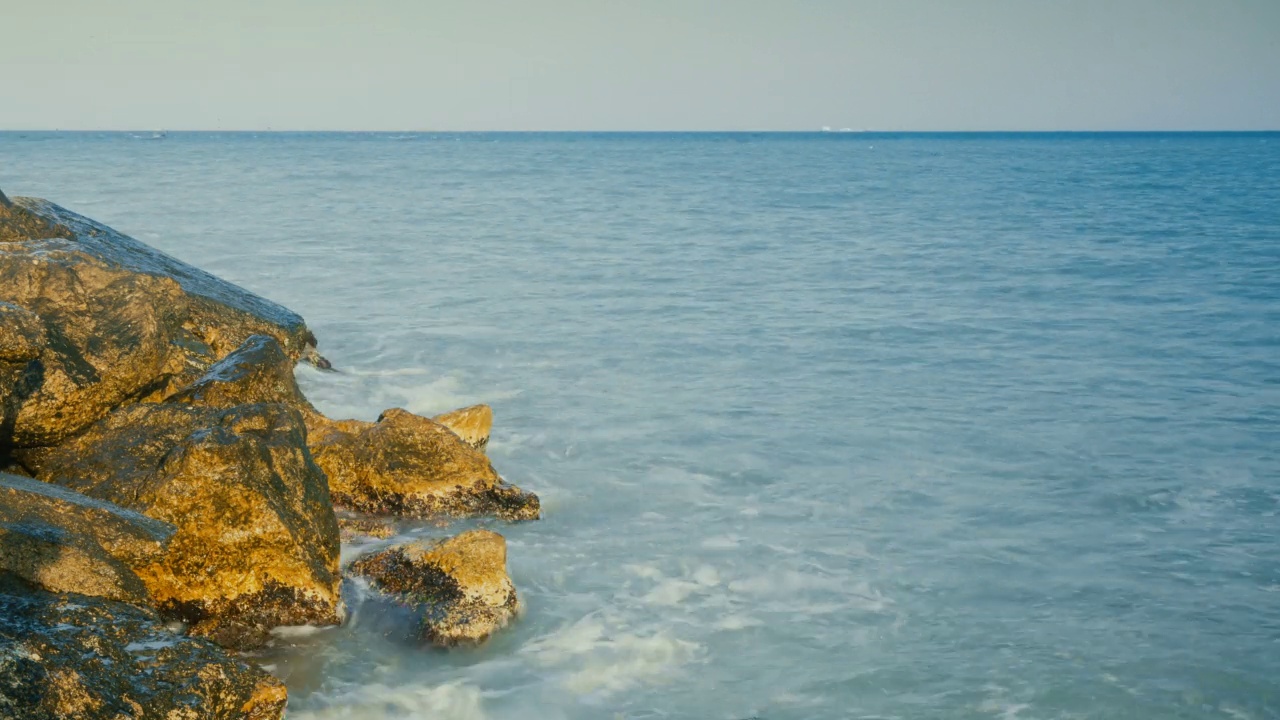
599, 661
737, 622
297, 631
450, 701
632, 660
671, 592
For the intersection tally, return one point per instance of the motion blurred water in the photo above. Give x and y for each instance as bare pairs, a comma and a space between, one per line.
825, 426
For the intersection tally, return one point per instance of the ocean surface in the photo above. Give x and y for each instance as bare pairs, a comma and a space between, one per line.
825, 425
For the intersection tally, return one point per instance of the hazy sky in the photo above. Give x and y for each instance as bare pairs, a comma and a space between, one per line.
640, 64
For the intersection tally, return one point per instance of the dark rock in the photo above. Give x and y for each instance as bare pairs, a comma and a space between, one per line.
408, 465
74, 657
365, 528
459, 584
257, 541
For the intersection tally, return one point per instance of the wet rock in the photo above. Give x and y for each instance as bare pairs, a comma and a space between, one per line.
256, 372
460, 584
472, 424
122, 321
18, 223
257, 541
408, 465
22, 339
365, 528
71, 656
65, 542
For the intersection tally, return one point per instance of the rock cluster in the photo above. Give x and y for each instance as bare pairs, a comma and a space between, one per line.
164, 466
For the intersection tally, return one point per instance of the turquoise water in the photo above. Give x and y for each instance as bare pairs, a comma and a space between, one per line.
825, 426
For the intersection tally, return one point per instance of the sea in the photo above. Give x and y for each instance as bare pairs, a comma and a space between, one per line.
825, 425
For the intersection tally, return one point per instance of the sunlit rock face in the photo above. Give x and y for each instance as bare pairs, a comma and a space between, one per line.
121, 322
62, 541
472, 424
405, 464
257, 541
460, 585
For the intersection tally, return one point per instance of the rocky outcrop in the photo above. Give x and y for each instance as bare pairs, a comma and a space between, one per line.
122, 321
256, 543
472, 424
179, 470
69, 656
460, 584
65, 542
405, 464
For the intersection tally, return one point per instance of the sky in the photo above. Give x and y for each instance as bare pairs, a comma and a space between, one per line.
641, 64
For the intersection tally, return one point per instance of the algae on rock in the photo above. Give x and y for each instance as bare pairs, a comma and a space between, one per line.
67, 656
460, 584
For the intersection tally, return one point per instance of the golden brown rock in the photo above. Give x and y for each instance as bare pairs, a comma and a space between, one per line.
65, 542
405, 464
123, 321
73, 657
365, 528
256, 372
22, 339
257, 542
472, 424
460, 584
18, 224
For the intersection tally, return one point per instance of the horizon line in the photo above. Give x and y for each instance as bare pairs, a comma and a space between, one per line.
817, 131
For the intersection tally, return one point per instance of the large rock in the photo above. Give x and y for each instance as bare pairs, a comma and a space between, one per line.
257, 541
65, 542
122, 320
405, 464
75, 657
22, 339
460, 584
472, 424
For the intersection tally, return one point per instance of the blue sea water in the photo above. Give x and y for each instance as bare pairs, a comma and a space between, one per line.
825, 425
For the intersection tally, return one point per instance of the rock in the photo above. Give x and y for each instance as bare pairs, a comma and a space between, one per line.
74, 657
63, 541
22, 339
472, 424
365, 528
18, 224
22, 334
256, 372
123, 321
461, 584
257, 541
405, 464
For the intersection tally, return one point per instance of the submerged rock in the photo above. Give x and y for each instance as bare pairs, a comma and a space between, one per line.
472, 424
405, 464
122, 321
73, 657
257, 541
460, 584
65, 542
